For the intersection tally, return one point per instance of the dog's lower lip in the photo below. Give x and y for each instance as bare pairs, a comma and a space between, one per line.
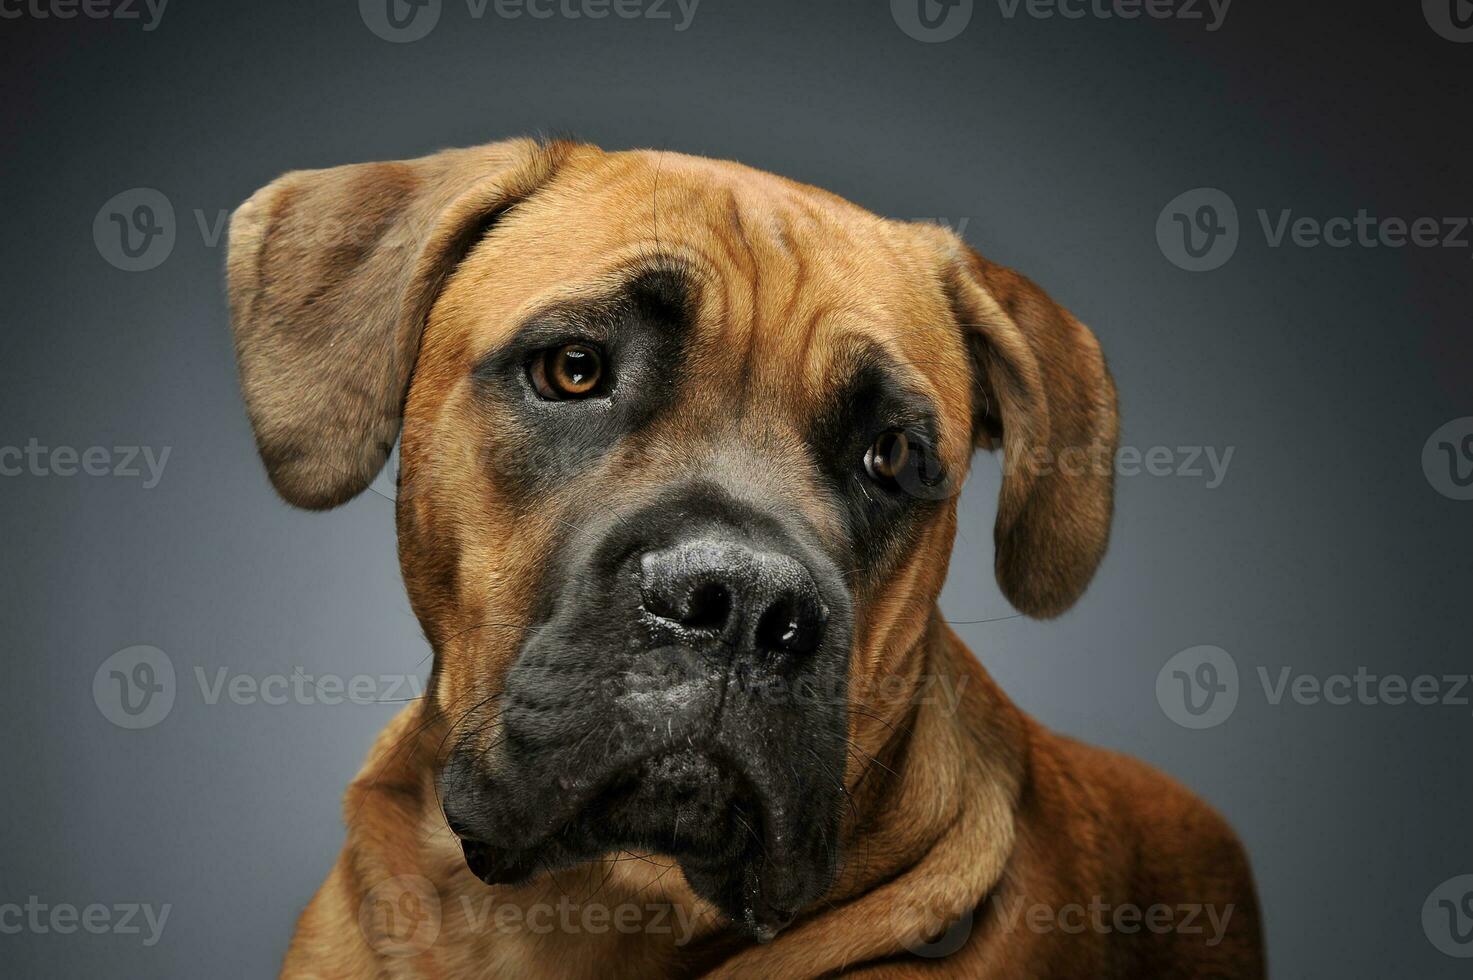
678, 796
476, 858
702, 798
479, 859
676, 801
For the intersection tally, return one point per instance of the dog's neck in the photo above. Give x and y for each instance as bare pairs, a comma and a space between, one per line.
927, 834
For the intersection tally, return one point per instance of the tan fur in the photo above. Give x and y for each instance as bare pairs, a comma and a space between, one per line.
954, 812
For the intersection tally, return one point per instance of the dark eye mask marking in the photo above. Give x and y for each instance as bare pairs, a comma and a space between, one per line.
641, 331
879, 515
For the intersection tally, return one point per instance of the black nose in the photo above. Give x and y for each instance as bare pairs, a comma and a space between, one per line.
715, 588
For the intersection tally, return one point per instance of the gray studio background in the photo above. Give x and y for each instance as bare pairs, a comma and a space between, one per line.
1057, 142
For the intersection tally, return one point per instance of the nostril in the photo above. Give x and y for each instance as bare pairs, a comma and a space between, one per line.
726, 591
708, 607
788, 626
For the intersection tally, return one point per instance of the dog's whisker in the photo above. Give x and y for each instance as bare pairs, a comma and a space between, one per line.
607, 875
979, 622
491, 625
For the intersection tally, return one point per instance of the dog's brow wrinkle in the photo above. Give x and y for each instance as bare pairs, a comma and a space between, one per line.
734, 215
655, 196
783, 235
795, 294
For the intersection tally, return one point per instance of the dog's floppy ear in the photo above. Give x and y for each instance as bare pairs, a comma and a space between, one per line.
1041, 387
331, 276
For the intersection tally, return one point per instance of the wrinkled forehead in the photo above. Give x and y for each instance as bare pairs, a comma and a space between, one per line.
787, 289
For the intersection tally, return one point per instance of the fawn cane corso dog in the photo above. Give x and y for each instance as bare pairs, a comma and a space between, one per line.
680, 445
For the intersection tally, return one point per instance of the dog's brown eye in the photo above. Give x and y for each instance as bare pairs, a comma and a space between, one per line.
567, 372
887, 456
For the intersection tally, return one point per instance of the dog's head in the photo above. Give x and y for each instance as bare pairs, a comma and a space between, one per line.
680, 448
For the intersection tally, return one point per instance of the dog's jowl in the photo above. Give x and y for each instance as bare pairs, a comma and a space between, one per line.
681, 444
